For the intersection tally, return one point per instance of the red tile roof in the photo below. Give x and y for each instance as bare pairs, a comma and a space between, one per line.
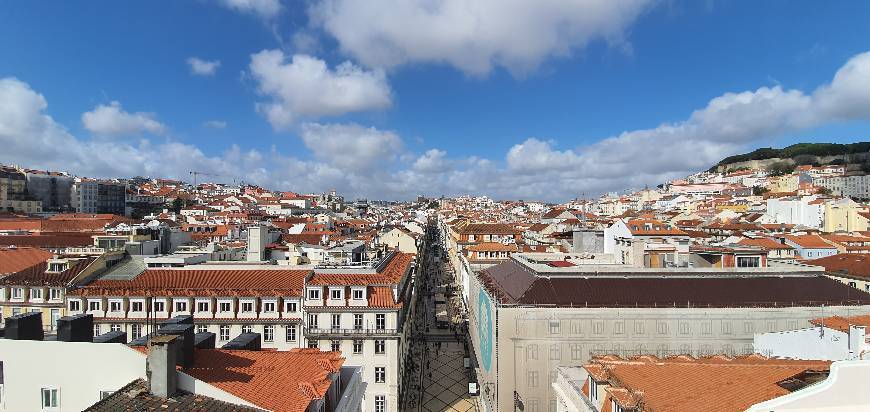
281, 381
49, 240
17, 259
382, 297
639, 227
842, 324
854, 264
809, 241
202, 282
273, 380
716, 383
764, 242
390, 275
36, 275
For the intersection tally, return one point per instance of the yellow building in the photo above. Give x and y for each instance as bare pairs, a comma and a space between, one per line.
845, 216
43, 286
785, 183
13, 193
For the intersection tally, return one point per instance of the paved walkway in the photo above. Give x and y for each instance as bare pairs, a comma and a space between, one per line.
439, 352
447, 389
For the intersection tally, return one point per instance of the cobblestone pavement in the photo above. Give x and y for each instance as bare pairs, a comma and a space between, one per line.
447, 389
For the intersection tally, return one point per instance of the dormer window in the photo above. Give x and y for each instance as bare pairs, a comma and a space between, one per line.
56, 267
35, 294
17, 293
358, 294
593, 389
314, 294
335, 294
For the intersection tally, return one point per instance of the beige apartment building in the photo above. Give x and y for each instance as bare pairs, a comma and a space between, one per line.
529, 316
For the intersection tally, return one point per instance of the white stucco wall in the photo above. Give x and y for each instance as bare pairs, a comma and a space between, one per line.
79, 370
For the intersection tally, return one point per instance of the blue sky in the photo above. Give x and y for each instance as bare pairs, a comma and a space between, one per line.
449, 97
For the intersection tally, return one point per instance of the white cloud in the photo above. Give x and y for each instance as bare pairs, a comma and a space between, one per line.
368, 162
112, 120
266, 9
473, 36
351, 147
203, 67
433, 161
215, 124
306, 88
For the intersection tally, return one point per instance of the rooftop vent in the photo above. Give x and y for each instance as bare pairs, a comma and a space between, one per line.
25, 326
245, 341
115, 336
77, 328
204, 340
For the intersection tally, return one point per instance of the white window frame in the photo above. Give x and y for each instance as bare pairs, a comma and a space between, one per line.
161, 302
75, 302
288, 333
182, 303
267, 304
134, 302
358, 294
269, 333
313, 294
336, 291
379, 316
290, 306
55, 398
380, 403
358, 346
332, 321
203, 302
223, 302
380, 374
118, 302
99, 305
246, 302
312, 320
17, 293
34, 292
247, 328
382, 343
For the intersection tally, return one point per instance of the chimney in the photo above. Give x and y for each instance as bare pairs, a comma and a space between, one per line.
245, 341
25, 326
204, 340
184, 332
160, 366
115, 336
77, 328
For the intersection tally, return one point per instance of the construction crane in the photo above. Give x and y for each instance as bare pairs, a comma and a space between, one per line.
195, 173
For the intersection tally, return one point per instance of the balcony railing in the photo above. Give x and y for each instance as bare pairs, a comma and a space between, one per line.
350, 332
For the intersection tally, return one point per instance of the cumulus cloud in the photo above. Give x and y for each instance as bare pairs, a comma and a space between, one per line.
473, 36
202, 67
112, 120
266, 9
368, 162
215, 124
350, 146
305, 87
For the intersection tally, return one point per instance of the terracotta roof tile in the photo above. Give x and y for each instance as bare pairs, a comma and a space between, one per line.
842, 324
854, 264
710, 384
36, 275
199, 282
17, 259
